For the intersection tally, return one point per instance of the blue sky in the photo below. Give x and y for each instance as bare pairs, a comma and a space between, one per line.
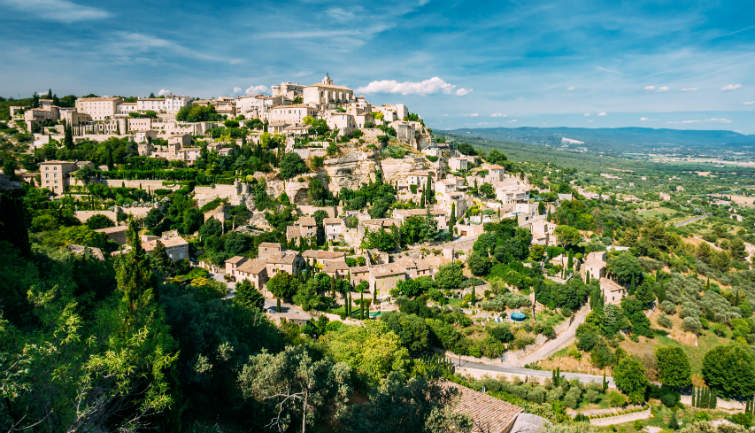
670, 64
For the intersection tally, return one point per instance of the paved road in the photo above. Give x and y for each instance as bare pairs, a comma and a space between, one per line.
691, 220
621, 419
562, 340
524, 372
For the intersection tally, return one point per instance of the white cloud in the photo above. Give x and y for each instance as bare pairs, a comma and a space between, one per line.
251, 90
710, 120
236, 89
513, 120
587, 114
570, 88
748, 102
164, 92
499, 115
129, 44
689, 89
653, 87
472, 115
729, 87
644, 119
602, 114
58, 10
426, 87
340, 14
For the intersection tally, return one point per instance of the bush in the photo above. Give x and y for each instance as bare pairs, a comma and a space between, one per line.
615, 399
668, 307
692, 324
665, 321
670, 398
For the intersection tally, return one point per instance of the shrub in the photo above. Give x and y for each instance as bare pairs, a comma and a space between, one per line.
663, 320
670, 398
692, 324
615, 399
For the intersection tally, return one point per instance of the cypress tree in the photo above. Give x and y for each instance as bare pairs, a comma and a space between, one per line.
452, 220
361, 301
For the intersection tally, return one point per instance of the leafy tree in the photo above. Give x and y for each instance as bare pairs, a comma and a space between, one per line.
195, 113
631, 378
161, 260
408, 405
292, 165
449, 277
381, 239
626, 268
487, 190
730, 371
466, 149
673, 367
192, 220
411, 330
248, 296
299, 389
567, 236
283, 285
372, 350
99, 221
478, 264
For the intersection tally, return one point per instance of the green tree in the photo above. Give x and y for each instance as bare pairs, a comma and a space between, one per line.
283, 285
161, 260
631, 378
68, 137
567, 236
99, 221
404, 404
291, 165
673, 367
450, 276
298, 389
371, 350
626, 269
248, 296
486, 190
478, 264
730, 371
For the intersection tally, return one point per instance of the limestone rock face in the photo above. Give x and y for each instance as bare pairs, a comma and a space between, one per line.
351, 170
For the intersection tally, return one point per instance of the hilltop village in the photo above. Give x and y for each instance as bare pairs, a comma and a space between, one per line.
330, 145
187, 255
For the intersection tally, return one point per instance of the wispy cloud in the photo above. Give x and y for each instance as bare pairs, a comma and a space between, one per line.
709, 120
57, 10
425, 87
602, 114
471, 115
499, 115
128, 44
570, 88
164, 92
730, 87
654, 88
644, 119
689, 89
236, 89
748, 102
604, 69
588, 114
252, 90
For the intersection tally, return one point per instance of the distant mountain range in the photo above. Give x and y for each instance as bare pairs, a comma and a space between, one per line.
625, 141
